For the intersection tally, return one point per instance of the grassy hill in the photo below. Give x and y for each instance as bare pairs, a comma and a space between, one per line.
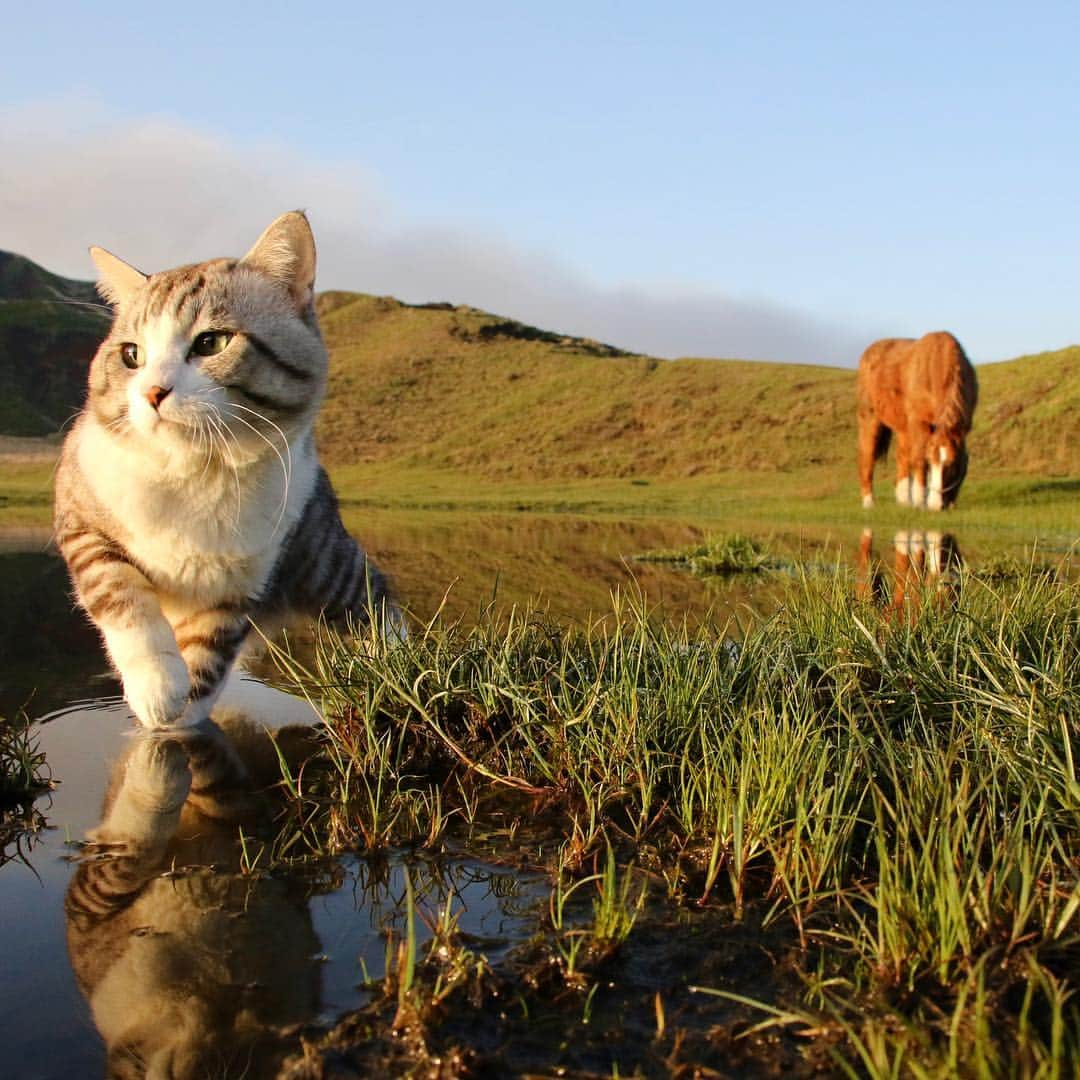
441, 388
49, 329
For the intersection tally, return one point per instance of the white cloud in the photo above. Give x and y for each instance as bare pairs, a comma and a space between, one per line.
159, 194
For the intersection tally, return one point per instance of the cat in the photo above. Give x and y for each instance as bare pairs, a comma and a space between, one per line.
190, 501
191, 967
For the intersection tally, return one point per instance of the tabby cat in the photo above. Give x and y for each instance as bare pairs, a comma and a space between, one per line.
189, 497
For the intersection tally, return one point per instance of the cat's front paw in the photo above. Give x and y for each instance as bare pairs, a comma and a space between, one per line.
157, 689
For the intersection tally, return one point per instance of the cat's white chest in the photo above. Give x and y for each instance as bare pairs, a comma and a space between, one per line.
204, 535
197, 540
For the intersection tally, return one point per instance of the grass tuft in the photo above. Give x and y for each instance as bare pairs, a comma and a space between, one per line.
731, 554
24, 776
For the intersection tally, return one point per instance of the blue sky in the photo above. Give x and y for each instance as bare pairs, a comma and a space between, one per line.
782, 181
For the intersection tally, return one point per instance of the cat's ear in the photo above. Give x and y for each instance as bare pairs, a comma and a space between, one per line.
286, 252
117, 279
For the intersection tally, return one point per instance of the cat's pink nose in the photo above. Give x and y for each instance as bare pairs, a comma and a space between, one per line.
157, 394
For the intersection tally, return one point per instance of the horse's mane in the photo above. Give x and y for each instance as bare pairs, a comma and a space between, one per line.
961, 386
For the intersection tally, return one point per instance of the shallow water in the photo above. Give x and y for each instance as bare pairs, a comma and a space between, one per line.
45, 1023
51, 664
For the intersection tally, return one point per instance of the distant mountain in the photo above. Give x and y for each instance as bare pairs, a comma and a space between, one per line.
49, 329
21, 279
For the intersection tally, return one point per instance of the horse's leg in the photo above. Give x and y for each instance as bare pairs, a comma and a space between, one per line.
935, 498
934, 563
916, 575
870, 433
903, 468
918, 439
864, 580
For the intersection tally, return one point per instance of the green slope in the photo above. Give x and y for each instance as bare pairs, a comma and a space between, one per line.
21, 279
49, 329
437, 388
1028, 418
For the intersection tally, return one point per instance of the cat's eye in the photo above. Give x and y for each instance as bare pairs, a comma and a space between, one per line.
211, 343
129, 353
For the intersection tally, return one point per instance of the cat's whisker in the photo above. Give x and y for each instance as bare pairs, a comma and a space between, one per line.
268, 421
93, 305
265, 419
284, 471
223, 434
203, 432
286, 466
226, 435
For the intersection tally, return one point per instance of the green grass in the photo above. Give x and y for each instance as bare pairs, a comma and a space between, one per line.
22, 765
24, 775
895, 795
733, 553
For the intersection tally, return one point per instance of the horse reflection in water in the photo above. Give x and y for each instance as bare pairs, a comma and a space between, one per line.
925, 569
190, 967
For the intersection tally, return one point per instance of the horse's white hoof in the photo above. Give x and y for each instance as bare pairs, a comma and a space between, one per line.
868, 502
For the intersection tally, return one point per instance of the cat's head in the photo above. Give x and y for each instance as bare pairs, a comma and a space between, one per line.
213, 356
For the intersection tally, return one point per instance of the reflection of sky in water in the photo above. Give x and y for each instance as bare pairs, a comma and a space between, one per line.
352, 921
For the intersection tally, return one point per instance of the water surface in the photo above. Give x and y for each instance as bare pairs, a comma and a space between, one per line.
52, 665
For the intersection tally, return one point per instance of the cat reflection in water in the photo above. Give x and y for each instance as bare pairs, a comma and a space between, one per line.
191, 971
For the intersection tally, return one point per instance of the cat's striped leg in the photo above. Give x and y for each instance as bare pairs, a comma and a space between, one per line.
354, 589
209, 641
122, 602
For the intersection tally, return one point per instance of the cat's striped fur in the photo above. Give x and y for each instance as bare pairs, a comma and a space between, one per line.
189, 497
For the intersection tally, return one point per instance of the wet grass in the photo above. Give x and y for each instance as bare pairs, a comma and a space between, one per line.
24, 775
730, 554
855, 833
22, 765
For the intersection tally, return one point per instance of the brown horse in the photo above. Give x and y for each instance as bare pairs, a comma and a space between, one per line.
924, 392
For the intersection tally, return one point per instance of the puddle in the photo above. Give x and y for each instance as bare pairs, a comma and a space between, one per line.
325, 929
143, 932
